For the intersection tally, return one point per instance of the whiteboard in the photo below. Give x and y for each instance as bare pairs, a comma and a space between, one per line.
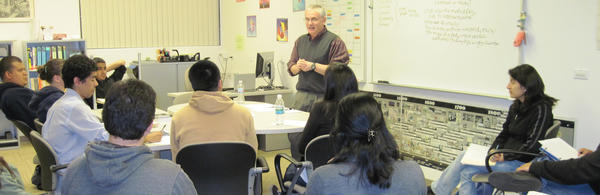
456, 45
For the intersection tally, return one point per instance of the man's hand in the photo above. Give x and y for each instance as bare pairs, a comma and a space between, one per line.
584, 151
524, 167
153, 137
304, 65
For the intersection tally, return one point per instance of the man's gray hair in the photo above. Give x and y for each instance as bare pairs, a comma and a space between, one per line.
317, 8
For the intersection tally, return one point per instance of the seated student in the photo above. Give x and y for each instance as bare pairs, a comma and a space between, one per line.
123, 164
10, 179
529, 117
70, 123
14, 96
339, 82
104, 82
573, 176
367, 160
44, 98
210, 116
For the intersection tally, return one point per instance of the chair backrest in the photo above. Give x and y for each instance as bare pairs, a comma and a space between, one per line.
219, 167
23, 127
47, 157
38, 125
552, 132
319, 151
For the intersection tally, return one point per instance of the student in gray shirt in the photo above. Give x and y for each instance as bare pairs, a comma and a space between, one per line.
367, 159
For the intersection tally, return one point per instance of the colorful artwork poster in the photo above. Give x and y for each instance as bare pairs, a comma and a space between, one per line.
282, 29
251, 26
264, 4
299, 5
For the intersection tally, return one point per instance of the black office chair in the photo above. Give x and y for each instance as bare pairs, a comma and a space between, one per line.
23, 127
38, 125
552, 132
48, 161
489, 177
223, 167
317, 153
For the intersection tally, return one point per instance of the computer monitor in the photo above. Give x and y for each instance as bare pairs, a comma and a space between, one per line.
264, 67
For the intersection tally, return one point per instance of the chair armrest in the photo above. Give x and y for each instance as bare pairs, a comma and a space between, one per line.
55, 168
492, 152
278, 167
300, 166
262, 164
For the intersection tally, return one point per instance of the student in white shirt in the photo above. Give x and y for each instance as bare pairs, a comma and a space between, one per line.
70, 123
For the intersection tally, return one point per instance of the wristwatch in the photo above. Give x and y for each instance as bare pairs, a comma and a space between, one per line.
313, 66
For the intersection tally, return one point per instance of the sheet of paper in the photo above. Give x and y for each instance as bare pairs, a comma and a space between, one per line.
475, 155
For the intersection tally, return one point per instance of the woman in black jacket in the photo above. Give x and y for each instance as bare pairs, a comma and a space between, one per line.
339, 82
43, 99
528, 118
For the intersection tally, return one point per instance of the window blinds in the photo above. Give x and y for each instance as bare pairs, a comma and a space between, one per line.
149, 23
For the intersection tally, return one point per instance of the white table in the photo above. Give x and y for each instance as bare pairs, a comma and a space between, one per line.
264, 122
184, 97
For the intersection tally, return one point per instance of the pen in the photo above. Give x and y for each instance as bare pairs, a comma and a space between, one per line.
162, 129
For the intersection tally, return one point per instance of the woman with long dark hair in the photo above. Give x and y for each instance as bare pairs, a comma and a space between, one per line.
529, 117
367, 159
339, 82
42, 100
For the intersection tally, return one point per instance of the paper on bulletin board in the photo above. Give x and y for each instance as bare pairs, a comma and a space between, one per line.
240, 42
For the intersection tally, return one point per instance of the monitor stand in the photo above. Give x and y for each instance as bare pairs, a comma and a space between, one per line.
270, 84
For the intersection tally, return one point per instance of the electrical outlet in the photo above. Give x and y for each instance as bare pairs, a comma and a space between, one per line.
581, 74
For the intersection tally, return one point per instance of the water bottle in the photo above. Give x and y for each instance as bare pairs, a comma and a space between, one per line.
279, 110
240, 90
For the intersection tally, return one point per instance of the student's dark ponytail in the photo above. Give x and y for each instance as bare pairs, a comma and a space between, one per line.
361, 136
51, 68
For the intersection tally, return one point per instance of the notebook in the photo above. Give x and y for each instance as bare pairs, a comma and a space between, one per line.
475, 155
557, 149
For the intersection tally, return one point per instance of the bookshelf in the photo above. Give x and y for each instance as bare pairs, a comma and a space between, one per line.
37, 53
5, 48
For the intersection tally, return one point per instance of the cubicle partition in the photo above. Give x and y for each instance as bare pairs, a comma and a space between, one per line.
164, 78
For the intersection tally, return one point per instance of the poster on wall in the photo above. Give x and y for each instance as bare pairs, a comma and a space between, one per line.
251, 26
264, 4
16, 10
299, 5
282, 29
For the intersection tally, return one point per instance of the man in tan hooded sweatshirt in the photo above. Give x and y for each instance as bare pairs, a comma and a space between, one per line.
210, 115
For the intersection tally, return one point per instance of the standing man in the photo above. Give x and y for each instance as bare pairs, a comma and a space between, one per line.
14, 96
105, 82
312, 54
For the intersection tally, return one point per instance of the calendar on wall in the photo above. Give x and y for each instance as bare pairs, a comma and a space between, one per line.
346, 19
